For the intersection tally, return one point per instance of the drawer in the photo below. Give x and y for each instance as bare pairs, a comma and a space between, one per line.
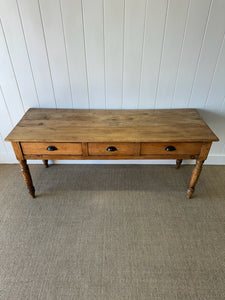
52, 148
170, 148
111, 148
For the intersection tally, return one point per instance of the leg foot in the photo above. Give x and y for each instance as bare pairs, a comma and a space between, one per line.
190, 191
178, 163
194, 177
27, 177
45, 162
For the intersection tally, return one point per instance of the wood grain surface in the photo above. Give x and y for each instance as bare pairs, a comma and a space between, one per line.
120, 149
69, 125
180, 148
61, 148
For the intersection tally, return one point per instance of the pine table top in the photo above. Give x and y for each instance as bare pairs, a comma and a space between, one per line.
82, 125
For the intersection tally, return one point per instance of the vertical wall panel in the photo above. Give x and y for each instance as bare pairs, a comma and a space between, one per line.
8, 83
14, 37
51, 16
93, 30
209, 54
5, 124
133, 45
215, 99
3, 150
6, 152
153, 41
74, 37
5, 121
196, 25
175, 27
216, 91
30, 17
113, 33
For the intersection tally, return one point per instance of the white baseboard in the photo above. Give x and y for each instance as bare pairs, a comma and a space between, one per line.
215, 160
9, 158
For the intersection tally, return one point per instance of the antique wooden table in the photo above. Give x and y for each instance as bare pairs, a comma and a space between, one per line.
111, 134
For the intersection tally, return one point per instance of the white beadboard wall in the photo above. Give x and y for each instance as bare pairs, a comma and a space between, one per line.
112, 54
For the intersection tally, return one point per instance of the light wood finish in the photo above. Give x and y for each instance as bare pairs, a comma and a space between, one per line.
109, 157
198, 167
121, 149
85, 149
160, 148
138, 149
205, 150
134, 134
68, 125
17, 150
45, 162
62, 148
27, 177
178, 163
194, 177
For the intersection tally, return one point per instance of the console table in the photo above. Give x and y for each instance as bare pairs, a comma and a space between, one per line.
111, 134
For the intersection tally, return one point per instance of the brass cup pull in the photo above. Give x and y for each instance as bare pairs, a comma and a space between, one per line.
170, 148
51, 148
111, 149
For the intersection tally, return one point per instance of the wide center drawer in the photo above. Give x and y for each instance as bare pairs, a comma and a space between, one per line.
111, 149
170, 148
52, 148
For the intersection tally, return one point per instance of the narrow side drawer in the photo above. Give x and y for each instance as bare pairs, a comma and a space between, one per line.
95, 149
170, 148
52, 148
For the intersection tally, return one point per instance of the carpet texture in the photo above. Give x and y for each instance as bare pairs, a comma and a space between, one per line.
112, 233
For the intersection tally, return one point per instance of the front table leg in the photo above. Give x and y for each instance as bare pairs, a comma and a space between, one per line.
27, 177
194, 177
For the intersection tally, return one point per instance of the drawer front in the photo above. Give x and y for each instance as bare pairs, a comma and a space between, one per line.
111, 149
170, 148
52, 148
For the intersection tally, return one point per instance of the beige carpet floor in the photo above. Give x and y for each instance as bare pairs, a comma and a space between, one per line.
112, 233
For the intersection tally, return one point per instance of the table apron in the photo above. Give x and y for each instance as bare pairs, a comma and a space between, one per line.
100, 157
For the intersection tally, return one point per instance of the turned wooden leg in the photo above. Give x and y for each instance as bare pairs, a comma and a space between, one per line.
194, 177
27, 177
45, 162
178, 163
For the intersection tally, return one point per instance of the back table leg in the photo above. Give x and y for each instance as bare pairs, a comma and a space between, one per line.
45, 162
178, 163
27, 177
